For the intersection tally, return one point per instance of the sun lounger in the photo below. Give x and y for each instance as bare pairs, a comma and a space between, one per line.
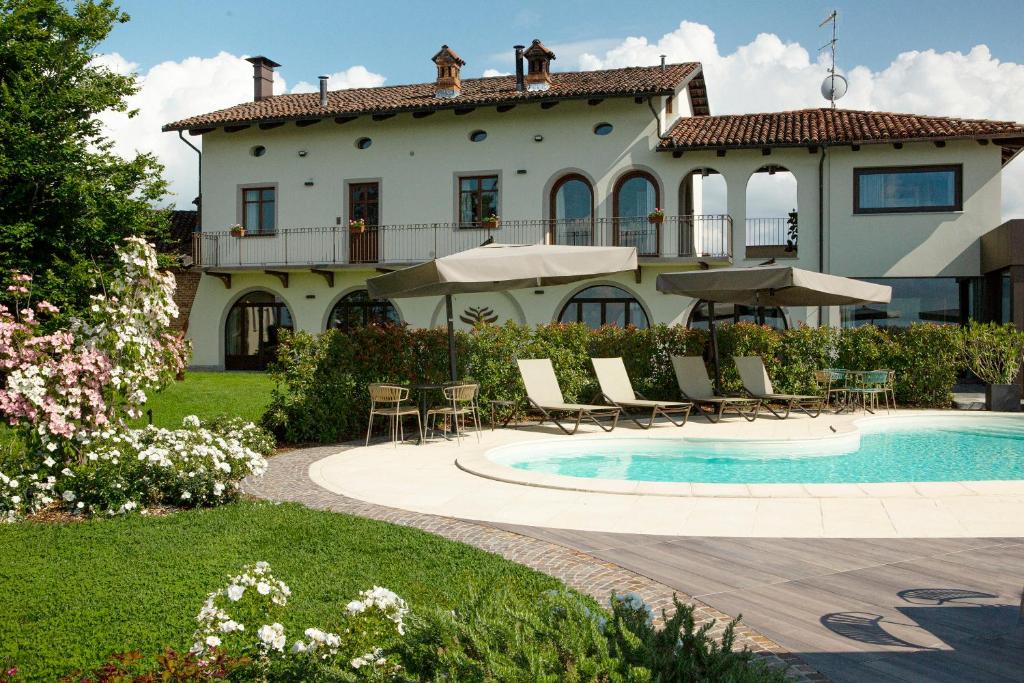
757, 383
618, 390
543, 395
692, 376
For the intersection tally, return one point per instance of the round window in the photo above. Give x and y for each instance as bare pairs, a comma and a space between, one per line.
364, 143
478, 136
258, 151
602, 129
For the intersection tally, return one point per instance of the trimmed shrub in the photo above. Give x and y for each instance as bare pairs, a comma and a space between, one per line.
321, 393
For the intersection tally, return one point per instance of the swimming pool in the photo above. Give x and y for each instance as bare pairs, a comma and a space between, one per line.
899, 449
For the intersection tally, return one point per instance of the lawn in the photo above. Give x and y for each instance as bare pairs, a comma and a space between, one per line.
211, 394
74, 593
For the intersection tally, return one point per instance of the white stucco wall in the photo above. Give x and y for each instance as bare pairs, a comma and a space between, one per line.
417, 160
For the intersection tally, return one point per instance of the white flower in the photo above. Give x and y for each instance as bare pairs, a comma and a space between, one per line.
80, 505
15, 499
185, 495
272, 636
212, 641
13, 483
69, 496
190, 421
235, 592
355, 607
298, 646
263, 588
51, 447
230, 626
49, 462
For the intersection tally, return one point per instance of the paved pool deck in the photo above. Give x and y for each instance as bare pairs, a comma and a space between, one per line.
458, 480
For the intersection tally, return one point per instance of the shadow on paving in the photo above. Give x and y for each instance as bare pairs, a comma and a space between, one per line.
854, 609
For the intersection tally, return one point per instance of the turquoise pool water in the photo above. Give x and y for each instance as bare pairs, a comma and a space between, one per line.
898, 449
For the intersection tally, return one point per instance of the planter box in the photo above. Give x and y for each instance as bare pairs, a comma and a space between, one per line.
1003, 398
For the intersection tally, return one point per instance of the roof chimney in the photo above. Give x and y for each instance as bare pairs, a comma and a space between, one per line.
520, 83
262, 77
538, 57
448, 63
663, 62
323, 90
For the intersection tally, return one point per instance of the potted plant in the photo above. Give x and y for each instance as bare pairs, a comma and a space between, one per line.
656, 217
995, 353
357, 225
491, 222
237, 230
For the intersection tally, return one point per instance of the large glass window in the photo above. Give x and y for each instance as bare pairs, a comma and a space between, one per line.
478, 199
259, 214
729, 313
944, 300
252, 330
572, 211
356, 309
1005, 297
604, 305
636, 196
907, 189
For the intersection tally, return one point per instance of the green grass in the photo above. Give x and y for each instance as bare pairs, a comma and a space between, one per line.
211, 394
71, 594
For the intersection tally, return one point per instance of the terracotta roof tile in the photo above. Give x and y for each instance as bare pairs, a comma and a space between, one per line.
627, 82
830, 126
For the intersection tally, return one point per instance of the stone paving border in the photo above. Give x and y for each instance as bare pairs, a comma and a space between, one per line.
287, 479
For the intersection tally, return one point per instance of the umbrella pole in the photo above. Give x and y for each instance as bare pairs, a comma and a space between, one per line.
452, 365
714, 347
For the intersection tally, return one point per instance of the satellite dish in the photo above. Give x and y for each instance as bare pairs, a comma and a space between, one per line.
833, 87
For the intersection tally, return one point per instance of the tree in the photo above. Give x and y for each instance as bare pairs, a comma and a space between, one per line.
66, 199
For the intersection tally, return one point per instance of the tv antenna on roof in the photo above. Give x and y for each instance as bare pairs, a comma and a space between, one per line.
834, 86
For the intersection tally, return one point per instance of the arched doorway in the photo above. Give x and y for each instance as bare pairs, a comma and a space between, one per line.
356, 309
771, 229
704, 227
636, 195
252, 330
604, 305
772, 316
572, 211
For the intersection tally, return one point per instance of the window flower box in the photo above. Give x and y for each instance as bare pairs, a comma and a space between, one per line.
492, 222
656, 217
357, 225
237, 230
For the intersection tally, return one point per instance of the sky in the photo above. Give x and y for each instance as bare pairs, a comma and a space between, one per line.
942, 57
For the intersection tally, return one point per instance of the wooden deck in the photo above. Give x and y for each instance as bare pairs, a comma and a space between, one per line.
857, 610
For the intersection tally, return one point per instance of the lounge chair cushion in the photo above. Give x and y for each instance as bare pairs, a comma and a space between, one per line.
639, 403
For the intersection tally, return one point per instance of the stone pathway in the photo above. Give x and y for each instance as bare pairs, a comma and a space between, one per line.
287, 480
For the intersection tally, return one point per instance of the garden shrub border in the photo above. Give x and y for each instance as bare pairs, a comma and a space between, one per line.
321, 396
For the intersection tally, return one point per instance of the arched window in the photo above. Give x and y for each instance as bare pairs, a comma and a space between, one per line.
729, 313
572, 211
252, 329
636, 196
604, 305
357, 308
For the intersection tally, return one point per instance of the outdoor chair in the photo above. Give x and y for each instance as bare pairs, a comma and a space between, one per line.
460, 403
543, 395
386, 400
868, 386
694, 385
832, 384
757, 383
617, 389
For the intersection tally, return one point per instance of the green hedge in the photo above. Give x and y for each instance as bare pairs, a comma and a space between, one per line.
321, 391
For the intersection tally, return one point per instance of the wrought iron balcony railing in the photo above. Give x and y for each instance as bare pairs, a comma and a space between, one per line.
701, 236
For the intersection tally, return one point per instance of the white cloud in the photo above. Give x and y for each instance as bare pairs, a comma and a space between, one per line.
353, 77
175, 90
768, 74
491, 73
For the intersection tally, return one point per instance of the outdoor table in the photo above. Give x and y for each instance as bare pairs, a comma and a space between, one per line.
504, 404
422, 395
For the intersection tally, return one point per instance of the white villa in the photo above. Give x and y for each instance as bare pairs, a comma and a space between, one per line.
336, 187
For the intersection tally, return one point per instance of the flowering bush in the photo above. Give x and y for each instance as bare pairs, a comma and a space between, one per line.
69, 392
241, 619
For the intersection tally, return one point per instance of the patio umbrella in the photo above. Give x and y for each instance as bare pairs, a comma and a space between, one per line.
497, 268
774, 285
872, 314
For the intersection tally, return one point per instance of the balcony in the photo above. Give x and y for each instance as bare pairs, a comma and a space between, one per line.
677, 239
770, 238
